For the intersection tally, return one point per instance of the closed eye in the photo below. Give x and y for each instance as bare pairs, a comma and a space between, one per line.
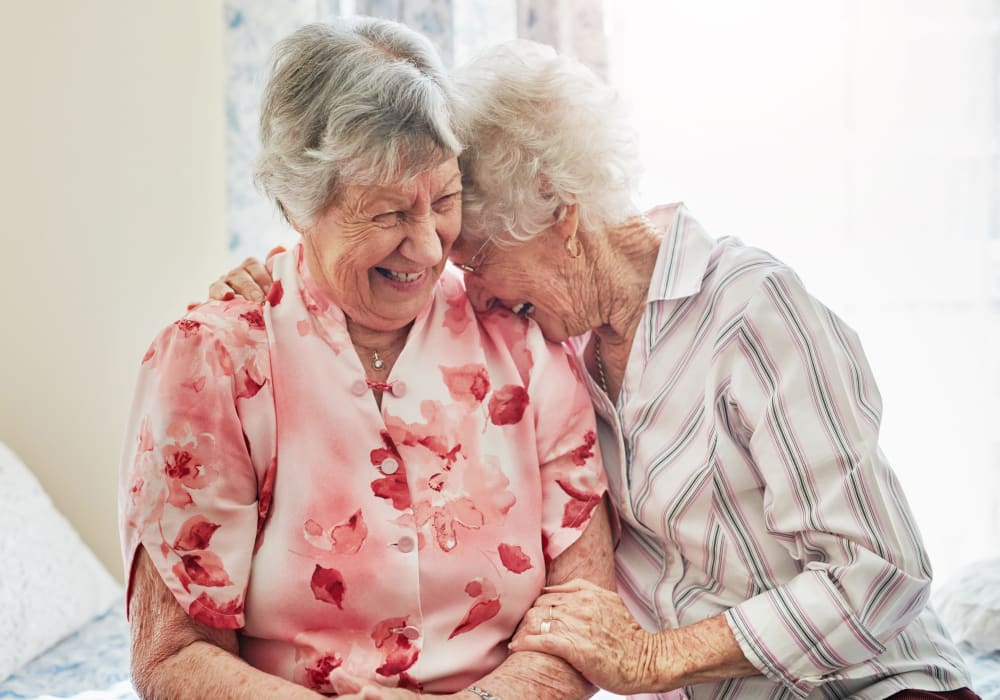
445, 203
389, 218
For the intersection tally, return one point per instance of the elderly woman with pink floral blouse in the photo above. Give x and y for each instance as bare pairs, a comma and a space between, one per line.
356, 481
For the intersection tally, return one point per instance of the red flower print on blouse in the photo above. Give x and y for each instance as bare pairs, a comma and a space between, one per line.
188, 466
394, 488
328, 586
578, 510
514, 558
202, 569
188, 327
457, 317
277, 292
196, 533
487, 605
204, 609
460, 488
515, 337
468, 383
444, 517
254, 318
400, 653
318, 674
585, 451
345, 538
507, 405
391, 486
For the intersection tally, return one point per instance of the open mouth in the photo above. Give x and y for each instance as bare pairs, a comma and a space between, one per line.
401, 277
524, 309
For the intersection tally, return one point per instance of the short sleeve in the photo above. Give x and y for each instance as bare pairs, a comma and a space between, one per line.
188, 486
572, 474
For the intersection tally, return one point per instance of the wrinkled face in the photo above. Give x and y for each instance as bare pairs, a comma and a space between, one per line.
379, 250
530, 279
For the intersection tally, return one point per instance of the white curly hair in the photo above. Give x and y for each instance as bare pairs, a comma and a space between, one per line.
540, 131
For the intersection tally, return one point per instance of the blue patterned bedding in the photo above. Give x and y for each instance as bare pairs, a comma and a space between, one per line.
985, 670
92, 664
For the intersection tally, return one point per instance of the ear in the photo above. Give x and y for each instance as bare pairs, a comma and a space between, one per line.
567, 221
288, 217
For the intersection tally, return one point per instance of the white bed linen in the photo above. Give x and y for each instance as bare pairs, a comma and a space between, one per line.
50, 582
91, 664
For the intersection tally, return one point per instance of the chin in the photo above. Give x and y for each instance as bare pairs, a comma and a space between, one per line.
553, 335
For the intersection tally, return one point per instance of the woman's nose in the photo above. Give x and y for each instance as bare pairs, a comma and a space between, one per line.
481, 299
423, 244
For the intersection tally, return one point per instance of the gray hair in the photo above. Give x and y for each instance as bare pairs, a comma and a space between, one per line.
355, 101
540, 131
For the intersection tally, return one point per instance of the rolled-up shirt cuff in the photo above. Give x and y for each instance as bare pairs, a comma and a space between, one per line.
800, 632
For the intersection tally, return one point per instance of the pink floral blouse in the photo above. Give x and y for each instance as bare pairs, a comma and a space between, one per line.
402, 544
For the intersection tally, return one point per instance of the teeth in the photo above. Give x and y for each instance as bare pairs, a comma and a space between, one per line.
524, 309
403, 276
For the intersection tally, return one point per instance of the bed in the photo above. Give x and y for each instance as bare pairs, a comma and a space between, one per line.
71, 641
62, 627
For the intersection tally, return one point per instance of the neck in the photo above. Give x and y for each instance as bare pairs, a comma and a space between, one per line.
365, 338
622, 270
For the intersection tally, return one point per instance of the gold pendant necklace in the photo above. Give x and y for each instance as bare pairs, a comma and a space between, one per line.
377, 361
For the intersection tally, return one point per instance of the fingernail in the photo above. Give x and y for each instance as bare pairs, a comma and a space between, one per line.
228, 296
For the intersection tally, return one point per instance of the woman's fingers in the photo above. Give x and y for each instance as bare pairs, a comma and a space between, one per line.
250, 280
241, 282
220, 291
259, 274
592, 629
554, 643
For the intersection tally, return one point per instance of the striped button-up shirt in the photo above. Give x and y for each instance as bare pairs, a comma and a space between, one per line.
743, 457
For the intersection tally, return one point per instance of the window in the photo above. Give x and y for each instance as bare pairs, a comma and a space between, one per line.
857, 141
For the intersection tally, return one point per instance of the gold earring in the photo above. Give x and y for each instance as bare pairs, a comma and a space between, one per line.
573, 247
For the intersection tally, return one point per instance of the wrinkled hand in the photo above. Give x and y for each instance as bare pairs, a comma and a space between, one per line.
350, 687
593, 630
251, 280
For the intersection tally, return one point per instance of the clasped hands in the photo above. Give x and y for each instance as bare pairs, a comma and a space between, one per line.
587, 626
591, 629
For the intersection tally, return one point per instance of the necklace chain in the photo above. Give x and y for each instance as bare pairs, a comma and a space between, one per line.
600, 364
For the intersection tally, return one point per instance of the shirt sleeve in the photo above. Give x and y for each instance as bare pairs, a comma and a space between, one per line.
808, 411
189, 488
573, 479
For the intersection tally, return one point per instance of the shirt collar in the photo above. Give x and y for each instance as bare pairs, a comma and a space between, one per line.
683, 258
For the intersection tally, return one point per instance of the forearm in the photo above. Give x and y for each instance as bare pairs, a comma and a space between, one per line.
699, 653
203, 670
527, 674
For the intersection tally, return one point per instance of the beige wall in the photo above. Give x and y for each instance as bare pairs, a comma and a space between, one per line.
112, 192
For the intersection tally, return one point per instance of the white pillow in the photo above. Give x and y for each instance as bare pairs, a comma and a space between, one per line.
51, 584
969, 605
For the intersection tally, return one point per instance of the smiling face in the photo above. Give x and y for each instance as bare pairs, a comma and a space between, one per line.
379, 250
535, 278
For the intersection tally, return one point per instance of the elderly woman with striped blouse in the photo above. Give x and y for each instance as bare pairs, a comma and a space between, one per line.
767, 549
